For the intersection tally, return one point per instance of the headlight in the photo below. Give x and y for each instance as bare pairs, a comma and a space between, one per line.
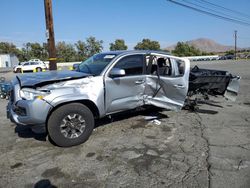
31, 94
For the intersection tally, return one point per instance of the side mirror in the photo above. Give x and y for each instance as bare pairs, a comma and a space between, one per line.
116, 72
76, 67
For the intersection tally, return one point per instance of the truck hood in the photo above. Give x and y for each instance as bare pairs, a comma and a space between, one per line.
34, 80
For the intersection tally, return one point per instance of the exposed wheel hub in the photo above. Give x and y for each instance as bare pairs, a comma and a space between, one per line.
72, 126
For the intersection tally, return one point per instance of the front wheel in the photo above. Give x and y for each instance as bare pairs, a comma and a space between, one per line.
18, 70
70, 124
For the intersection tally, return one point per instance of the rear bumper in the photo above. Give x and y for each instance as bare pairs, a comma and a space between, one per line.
26, 112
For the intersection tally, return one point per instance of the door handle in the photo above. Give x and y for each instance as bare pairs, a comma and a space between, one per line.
139, 82
179, 86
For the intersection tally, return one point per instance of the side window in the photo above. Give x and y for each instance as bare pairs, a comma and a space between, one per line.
133, 65
25, 64
160, 65
178, 67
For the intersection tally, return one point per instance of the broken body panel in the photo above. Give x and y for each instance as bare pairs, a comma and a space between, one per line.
214, 82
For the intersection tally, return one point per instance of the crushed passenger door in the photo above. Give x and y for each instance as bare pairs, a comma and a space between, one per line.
168, 90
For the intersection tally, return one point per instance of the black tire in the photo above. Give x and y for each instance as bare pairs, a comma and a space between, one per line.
57, 118
39, 69
18, 70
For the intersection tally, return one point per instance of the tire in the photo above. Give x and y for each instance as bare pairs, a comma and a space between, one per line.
18, 70
65, 125
39, 69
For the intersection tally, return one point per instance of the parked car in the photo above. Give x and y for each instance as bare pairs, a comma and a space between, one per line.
30, 66
66, 103
227, 57
35, 60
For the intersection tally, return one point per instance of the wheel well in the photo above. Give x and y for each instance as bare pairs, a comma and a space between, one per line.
93, 108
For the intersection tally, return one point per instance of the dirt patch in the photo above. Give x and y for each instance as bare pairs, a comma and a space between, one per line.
91, 154
54, 172
17, 165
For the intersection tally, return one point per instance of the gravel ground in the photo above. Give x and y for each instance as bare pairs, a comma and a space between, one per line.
206, 148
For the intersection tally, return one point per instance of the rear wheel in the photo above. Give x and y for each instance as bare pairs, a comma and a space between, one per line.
70, 124
38, 69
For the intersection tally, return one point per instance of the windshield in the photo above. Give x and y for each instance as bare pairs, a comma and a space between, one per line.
95, 64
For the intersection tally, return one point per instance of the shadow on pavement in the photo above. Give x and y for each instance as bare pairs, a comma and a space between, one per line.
210, 103
26, 132
155, 112
204, 111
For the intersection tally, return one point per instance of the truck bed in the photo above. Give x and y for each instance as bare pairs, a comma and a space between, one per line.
209, 81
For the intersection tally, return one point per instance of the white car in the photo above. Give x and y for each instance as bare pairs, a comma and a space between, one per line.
30, 66
35, 60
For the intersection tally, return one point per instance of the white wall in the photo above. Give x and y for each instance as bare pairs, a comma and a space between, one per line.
3, 59
11, 59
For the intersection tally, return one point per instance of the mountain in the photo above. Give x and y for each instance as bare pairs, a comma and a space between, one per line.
205, 45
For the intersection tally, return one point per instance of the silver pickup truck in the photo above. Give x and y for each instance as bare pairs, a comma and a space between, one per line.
66, 103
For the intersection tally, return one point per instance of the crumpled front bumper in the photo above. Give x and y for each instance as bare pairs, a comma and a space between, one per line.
27, 112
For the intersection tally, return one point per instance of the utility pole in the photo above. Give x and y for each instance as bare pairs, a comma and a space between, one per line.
235, 44
50, 34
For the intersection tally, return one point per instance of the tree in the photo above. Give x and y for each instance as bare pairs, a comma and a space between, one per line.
183, 49
65, 52
88, 48
81, 50
230, 52
45, 52
9, 48
147, 44
119, 44
93, 46
36, 50
33, 51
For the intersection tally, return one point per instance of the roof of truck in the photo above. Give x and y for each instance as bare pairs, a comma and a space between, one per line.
119, 52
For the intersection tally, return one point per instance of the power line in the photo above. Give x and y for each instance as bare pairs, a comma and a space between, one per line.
224, 8
211, 14
218, 12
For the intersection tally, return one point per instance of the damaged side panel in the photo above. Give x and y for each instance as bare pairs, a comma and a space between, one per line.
167, 90
233, 89
124, 93
90, 88
167, 93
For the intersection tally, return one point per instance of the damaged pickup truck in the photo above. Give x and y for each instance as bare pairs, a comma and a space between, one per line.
66, 103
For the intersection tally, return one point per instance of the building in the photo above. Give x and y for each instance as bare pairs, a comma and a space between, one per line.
8, 60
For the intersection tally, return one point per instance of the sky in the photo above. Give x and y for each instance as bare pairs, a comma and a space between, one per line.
132, 20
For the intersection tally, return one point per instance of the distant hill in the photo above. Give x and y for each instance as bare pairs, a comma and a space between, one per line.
205, 45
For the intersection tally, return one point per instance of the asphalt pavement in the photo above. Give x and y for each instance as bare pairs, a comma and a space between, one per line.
206, 148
